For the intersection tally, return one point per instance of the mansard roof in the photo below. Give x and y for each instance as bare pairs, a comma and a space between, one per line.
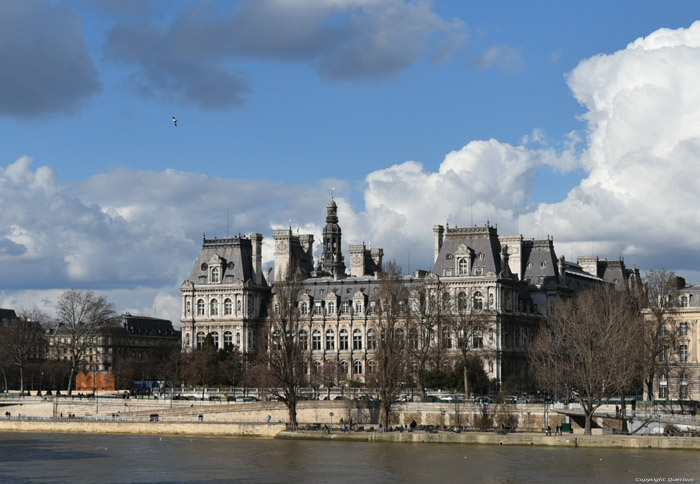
147, 326
540, 262
7, 315
482, 242
236, 256
345, 289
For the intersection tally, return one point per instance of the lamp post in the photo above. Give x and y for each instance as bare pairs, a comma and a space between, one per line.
331, 415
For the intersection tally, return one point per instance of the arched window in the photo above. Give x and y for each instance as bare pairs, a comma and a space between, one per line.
371, 367
462, 267
228, 307
214, 307
357, 366
215, 274
446, 301
304, 340
371, 340
413, 338
200, 339
462, 302
317, 366
228, 339
478, 301
200, 307
344, 340
215, 338
330, 339
331, 307
316, 340
344, 367
357, 340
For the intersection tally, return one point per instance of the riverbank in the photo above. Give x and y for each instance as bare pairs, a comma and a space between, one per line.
278, 431
493, 438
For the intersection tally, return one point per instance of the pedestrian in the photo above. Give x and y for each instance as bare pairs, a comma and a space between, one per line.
267, 420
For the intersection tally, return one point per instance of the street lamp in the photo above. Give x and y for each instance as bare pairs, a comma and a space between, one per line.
331, 415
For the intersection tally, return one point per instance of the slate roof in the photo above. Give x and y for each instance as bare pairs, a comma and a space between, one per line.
540, 262
318, 288
147, 326
236, 253
7, 315
482, 241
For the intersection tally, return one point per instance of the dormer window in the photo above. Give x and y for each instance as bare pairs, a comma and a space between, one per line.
462, 267
215, 275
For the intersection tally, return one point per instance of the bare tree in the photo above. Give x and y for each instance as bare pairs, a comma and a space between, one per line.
82, 317
423, 320
24, 340
660, 333
470, 323
330, 374
585, 347
283, 354
391, 356
201, 365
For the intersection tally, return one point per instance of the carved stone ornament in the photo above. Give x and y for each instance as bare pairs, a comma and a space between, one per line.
281, 246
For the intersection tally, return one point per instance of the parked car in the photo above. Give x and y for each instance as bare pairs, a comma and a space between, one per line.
483, 400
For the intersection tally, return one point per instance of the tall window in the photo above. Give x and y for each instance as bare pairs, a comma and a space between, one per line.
462, 267
357, 367
303, 308
215, 275
330, 340
478, 301
345, 309
200, 307
200, 339
358, 307
228, 307
371, 367
462, 302
477, 341
413, 338
215, 338
663, 386
331, 307
318, 309
446, 301
446, 338
343, 339
684, 302
370, 308
683, 329
316, 340
344, 367
683, 353
357, 340
304, 340
228, 339
371, 340
214, 307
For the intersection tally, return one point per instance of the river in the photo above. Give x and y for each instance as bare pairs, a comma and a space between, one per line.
70, 458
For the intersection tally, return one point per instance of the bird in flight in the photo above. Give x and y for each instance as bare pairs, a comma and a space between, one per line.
175, 121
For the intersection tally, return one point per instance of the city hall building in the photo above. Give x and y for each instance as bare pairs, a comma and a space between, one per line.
509, 280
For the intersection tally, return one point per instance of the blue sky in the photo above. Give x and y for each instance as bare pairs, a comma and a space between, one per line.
278, 100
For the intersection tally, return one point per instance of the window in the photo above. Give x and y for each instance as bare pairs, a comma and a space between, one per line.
683, 329
228, 339
446, 301
200, 339
683, 353
413, 338
477, 341
304, 340
462, 267
316, 340
331, 307
304, 308
663, 386
478, 301
479, 271
357, 366
330, 340
358, 307
344, 366
214, 307
318, 309
215, 338
357, 340
446, 338
684, 302
200, 307
371, 367
343, 339
215, 275
370, 309
683, 386
228, 306
371, 340
462, 302
317, 366
345, 308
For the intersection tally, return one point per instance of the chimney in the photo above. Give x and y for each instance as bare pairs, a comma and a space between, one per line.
439, 231
256, 240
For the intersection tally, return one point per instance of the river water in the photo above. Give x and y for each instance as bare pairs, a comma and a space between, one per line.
70, 458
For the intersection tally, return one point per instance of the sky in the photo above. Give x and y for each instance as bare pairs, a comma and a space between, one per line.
574, 120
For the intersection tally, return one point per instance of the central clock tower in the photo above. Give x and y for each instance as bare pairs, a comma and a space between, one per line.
332, 260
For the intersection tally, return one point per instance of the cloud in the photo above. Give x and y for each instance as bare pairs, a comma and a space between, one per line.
45, 65
348, 40
505, 57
